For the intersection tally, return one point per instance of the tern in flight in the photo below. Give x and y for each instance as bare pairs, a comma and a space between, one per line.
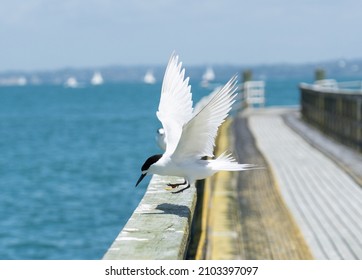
190, 134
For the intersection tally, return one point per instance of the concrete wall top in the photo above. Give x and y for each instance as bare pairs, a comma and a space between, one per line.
159, 228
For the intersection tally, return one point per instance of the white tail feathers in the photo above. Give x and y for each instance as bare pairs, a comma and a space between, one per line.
226, 162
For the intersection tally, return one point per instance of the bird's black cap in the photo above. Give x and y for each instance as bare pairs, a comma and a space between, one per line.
146, 166
150, 161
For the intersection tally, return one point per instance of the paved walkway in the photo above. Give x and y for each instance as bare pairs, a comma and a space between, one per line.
325, 202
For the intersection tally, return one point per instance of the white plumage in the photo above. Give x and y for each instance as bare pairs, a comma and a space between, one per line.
190, 134
160, 136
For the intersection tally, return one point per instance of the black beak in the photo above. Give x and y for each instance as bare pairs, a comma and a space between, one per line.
140, 179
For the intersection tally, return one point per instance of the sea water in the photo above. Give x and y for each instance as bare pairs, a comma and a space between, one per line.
69, 161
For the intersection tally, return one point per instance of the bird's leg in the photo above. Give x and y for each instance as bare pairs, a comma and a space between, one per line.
179, 191
176, 185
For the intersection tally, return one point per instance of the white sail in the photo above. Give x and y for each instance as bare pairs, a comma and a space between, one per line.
97, 79
149, 78
207, 77
71, 82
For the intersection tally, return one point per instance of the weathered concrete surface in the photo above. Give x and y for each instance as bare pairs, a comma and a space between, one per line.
160, 226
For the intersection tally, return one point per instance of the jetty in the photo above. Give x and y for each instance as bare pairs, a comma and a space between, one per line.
305, 202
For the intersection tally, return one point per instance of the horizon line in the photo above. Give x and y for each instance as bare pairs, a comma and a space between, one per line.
193, 65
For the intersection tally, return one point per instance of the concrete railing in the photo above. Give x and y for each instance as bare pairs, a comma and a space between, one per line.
336, 112
160, 226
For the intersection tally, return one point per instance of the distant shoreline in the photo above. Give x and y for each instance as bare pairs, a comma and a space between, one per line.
333, 68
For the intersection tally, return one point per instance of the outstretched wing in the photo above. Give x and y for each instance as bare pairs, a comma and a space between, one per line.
175, 108
198, 135
203, 101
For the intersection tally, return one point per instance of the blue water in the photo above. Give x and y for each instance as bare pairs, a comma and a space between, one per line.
69, 160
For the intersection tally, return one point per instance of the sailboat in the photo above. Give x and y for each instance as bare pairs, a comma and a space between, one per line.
97, 79
207, 77
71, 82
149, 78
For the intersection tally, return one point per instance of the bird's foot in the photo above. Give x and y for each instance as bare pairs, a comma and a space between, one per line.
172, 186
180, 191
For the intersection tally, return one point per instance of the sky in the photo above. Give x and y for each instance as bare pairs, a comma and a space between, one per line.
53, 34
